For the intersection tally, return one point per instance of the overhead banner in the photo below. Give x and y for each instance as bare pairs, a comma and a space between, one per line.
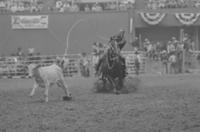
30, 22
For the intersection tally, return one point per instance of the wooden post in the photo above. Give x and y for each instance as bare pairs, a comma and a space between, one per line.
181, 34
183, 54
117, 3
196, 38
131, 16
140, 41
183, 64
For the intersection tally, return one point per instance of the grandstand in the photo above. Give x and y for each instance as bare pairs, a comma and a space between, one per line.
161, 24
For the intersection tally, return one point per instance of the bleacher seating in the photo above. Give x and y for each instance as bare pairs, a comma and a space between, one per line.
171, 4
55, 6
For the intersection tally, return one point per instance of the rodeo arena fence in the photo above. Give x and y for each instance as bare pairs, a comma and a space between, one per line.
17, 67
192, 61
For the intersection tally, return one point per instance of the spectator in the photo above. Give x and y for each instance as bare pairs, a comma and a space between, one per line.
198, 58
172, 63
164, 60
196, 4
31, 51
179, 57
160, 4
60, 6
146, 43
137, 61
84, 65
96, 7
192, 45
75, 8
135, 43
170, 47
19, 52
150, 50
111, 6
87, 8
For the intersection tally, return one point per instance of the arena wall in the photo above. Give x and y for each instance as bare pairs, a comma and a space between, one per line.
94, 27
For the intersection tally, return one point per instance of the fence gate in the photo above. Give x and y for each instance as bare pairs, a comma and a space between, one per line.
130, 62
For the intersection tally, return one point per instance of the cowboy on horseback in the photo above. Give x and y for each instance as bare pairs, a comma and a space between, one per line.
117, 42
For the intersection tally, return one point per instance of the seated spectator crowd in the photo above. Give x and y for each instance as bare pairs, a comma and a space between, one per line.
169, 4
32, 6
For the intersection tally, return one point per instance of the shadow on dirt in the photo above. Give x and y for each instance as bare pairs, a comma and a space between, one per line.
131, 85
55, 100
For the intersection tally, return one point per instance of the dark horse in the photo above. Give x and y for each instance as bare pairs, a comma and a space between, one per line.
111, 67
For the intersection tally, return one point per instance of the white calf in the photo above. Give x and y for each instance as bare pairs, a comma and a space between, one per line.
45, 77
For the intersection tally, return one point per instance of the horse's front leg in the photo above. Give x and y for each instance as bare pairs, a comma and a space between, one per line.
115, 89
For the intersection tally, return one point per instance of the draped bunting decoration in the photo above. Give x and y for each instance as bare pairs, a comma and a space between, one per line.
187, 18
152, 18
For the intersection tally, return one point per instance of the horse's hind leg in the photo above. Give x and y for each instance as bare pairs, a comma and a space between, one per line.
120, 84
105, 87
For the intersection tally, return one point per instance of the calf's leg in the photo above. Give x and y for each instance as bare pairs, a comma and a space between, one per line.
46, 92
61, 83
35, 86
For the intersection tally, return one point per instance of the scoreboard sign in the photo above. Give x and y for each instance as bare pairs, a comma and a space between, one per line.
29, 22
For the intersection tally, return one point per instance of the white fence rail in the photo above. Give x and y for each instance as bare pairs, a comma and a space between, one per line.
130, 62
16, 67
11, 67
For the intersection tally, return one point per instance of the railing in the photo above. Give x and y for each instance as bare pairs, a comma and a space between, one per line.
17, 67
192, 60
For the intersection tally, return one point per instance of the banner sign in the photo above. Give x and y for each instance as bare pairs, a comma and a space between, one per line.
30, 22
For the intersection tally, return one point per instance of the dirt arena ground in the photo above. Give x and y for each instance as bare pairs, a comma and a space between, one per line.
160, 104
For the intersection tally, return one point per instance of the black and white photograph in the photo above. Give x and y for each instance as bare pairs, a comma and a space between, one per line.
99, 65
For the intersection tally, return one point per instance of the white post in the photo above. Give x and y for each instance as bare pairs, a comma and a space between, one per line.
140, 42
183, 52
196, 38
131, 25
